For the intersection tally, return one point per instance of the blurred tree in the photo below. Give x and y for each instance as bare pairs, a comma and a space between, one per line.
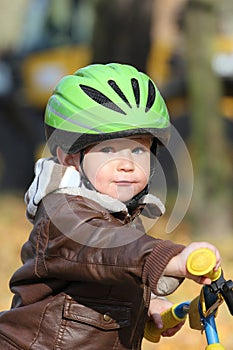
210, 154
122, 31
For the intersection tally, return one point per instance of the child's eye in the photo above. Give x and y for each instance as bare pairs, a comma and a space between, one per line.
107, 150
138, 150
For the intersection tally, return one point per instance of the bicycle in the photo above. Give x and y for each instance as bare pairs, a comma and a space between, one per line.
202, 310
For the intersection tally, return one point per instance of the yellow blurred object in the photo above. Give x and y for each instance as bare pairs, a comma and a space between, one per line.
227, 106
158, 65
42, 70
224, 43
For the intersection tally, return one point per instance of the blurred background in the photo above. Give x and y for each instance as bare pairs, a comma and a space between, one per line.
186, 46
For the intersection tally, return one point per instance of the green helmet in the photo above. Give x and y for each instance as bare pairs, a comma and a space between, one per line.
104, 101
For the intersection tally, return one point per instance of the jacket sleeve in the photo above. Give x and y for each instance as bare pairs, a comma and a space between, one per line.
80, 243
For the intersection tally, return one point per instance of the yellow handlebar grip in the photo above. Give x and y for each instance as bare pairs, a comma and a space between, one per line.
169, 319
216, 346
201, 263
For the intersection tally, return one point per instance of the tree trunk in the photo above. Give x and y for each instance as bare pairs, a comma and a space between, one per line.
211, 199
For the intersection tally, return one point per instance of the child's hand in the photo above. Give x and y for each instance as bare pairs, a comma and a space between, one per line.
177, 265
158, 306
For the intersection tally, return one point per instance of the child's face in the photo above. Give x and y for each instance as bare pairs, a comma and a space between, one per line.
120, 167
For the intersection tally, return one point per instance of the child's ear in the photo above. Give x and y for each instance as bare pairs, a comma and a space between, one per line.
68, 159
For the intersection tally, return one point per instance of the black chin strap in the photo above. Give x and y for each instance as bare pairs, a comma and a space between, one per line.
133, 203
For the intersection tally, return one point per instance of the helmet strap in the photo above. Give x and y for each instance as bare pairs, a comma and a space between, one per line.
87, 183
132, 204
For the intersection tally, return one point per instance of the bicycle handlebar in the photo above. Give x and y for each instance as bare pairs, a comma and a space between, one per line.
201, 262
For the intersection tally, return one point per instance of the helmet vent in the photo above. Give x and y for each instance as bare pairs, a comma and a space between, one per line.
151, 96
136, 91
116, 88
100, 98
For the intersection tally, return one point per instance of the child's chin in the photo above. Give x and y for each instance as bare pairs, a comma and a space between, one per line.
123, 193
125, 197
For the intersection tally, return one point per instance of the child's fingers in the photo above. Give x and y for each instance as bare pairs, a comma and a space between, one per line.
157, 320
199, 279
172, 331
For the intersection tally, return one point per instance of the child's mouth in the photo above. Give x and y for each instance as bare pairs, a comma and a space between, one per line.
124, 183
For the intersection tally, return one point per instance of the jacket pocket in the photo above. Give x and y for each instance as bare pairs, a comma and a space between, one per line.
94, 324
105, 315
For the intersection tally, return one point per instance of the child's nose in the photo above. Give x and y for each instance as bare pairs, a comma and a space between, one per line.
125, 160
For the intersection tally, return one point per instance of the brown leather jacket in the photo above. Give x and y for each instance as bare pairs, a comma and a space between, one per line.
79, 286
